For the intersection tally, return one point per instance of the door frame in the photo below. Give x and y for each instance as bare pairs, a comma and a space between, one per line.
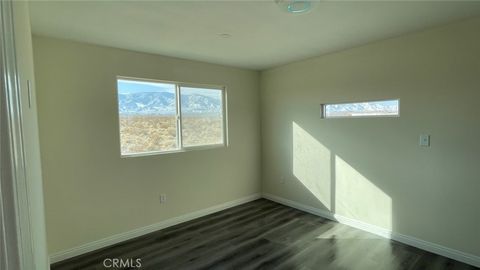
15, 228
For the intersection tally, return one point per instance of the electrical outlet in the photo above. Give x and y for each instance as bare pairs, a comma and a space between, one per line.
163, 198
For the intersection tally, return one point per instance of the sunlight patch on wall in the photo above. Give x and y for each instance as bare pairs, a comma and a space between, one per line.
358, 198
311, 165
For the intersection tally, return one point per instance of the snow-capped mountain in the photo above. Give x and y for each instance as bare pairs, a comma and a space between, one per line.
163, 103
366, 107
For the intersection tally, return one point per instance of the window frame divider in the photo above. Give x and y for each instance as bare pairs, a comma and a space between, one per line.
179, 116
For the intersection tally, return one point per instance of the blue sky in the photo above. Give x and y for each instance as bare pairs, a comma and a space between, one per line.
393, 102
126, 86
386, 102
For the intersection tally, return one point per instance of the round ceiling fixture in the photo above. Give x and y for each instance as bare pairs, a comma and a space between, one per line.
294, 6
224, 35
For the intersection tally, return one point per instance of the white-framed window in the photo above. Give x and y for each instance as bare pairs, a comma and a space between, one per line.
162, 117
378, 108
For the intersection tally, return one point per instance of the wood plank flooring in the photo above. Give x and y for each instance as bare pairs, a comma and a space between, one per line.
263, 235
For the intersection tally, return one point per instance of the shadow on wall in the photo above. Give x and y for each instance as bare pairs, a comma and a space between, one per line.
335, 183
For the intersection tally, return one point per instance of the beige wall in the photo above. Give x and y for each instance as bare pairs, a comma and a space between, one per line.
91, 192
373, 169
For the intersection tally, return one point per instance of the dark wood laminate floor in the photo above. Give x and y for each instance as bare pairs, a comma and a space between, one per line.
264, 235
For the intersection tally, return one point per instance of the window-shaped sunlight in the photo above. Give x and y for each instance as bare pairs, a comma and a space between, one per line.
311, 165
358, 198
335, 183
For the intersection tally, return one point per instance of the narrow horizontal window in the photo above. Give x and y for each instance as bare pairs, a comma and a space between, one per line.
160, 117
362, 109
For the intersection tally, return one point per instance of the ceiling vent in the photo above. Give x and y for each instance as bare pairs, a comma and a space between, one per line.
294, 6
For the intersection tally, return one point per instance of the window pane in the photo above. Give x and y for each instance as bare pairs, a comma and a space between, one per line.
202, 117
362, 109
147, 113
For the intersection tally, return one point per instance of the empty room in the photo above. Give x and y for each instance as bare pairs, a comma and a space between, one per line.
270, 134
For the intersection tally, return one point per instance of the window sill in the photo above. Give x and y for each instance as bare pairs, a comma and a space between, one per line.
185, 149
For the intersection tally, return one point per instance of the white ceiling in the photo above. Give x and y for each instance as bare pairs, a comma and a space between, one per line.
262, 35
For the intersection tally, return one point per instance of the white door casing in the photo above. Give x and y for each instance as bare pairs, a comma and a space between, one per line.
22, 234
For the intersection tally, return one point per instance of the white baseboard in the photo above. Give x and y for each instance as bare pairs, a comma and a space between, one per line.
115, 239
309, 209
406, 239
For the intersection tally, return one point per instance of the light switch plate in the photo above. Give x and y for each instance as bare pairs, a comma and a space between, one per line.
424, 140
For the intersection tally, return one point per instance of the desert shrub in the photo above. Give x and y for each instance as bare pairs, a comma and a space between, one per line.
148, 133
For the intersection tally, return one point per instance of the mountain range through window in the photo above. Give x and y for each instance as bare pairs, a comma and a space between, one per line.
151, 120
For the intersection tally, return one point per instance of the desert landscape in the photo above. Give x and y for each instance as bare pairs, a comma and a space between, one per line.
150, 133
